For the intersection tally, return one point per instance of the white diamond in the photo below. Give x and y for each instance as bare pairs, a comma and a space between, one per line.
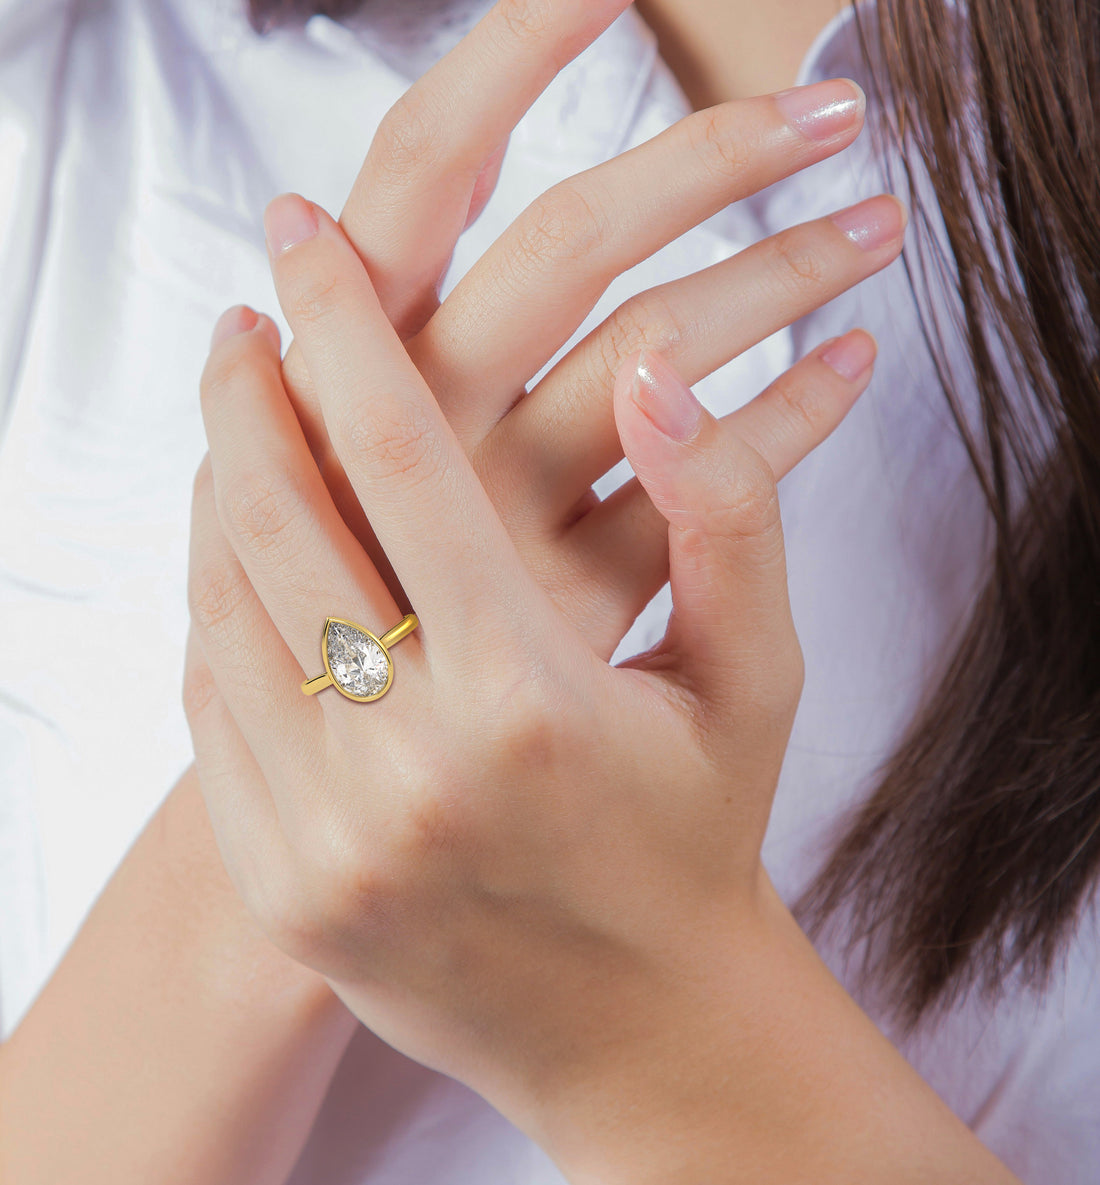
358, 664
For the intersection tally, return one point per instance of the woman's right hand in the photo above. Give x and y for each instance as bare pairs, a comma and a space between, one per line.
430, 170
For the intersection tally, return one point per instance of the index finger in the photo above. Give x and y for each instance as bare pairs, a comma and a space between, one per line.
412, 197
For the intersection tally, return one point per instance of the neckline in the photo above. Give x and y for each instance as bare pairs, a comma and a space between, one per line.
832, 29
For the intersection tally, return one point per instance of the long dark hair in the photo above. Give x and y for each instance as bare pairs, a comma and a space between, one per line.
974, 855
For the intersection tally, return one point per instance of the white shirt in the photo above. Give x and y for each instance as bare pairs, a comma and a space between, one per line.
139, 143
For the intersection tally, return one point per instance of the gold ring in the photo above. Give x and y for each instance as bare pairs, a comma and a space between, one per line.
357, 662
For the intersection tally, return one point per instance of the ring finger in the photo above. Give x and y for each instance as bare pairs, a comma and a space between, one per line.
698, 324
239, 677
530, 291
277, 515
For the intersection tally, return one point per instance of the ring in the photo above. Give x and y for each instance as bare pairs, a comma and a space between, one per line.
357, 663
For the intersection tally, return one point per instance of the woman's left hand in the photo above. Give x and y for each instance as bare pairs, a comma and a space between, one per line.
515, 820
523, 867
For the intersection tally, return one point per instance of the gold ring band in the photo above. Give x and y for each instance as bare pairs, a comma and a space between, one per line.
357, 662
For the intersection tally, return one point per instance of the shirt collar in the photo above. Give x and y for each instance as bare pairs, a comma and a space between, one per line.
836, 51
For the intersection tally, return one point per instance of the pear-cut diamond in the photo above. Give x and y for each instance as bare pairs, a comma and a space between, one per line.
358, 664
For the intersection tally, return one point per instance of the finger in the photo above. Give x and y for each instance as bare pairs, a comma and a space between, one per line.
431, 167
246, 825
417, 187
698, 324
531, 290
294, 550
621, 546
804, 406
730, 641
255, 676
429, 510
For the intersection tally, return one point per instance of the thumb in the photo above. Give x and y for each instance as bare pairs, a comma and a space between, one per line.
731, 639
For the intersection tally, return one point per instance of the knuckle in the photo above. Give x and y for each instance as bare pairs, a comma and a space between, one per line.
796, 264
803, 404
624, 333
410, 137
749, 496
264, 512
314, 297
647, 321
722, 148
285, 914
402, 444
563, 224
214, 594
356, 898
527, 19
535, 715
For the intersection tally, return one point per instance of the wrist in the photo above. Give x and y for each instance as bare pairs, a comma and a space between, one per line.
230, 955
757, 1066
670, 1101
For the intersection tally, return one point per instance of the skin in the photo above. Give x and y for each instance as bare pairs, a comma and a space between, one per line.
173, 1043
733, 49
522, 897
219, 994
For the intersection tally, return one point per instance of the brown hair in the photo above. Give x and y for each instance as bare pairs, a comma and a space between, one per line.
976, 851
974, 856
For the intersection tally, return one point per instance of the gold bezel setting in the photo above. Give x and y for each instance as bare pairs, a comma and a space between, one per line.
359, 699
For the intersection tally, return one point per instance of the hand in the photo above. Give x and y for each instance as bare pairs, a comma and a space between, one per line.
518, 863
431, 168
603, 571
773, 1090
404, 215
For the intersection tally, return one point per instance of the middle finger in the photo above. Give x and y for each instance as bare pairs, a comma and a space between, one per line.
531, 290
698, 323
412, 196
430, 513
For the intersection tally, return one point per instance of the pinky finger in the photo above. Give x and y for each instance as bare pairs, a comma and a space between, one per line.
621, 546
802, 407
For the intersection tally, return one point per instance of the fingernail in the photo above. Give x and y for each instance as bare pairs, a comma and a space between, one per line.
851, 356
664, 398
239, 319
873, 223
289, 220
823, 110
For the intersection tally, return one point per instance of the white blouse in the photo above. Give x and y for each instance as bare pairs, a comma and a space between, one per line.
139, 143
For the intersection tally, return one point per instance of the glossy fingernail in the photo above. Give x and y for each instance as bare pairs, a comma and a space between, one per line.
239, 319
851, 356
873, 223
823, 110
664, 398
288, 221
